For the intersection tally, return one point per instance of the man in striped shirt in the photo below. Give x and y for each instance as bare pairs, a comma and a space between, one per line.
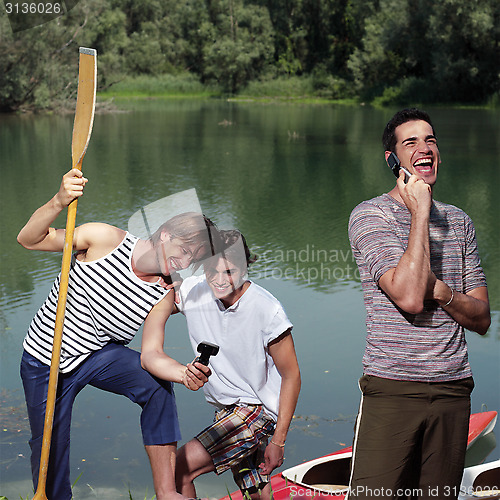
115, 286
423, 285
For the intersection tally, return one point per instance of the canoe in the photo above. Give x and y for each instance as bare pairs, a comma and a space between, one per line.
327, 478
480, 424
481, 481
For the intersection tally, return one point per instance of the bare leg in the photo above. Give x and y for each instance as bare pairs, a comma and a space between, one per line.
192, 461
162, 459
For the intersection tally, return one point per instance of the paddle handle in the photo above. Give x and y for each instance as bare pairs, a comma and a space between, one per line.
82, 128
56, 348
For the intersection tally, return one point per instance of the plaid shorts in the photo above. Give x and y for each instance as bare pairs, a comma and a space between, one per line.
237, 440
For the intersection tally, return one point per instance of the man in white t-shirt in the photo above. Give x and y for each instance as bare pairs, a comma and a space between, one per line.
255, 379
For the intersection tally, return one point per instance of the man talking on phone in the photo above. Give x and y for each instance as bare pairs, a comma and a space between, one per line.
423, 286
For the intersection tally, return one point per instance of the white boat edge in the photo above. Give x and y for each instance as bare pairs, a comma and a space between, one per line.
297, 472
470, 475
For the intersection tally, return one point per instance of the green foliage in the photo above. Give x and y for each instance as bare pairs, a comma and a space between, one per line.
390, 51
185, 30
38, 65
145, 496
329, 86
444, 51
161, 85
242, 44
379, 61
287, 63
494, 100
145, 55
23, 81
465, 37
281, 86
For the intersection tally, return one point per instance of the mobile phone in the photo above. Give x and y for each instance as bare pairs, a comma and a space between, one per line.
395, 164
206, 349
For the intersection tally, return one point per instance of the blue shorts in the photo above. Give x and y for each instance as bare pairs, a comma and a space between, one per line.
114, 368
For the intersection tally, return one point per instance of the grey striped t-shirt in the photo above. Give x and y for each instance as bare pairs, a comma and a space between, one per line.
429, 346
106, 302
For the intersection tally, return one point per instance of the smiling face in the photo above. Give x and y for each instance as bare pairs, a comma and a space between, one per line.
225, 280
416, 148
175, 254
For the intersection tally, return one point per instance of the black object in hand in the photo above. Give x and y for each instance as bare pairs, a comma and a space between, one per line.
395, 164
206, 349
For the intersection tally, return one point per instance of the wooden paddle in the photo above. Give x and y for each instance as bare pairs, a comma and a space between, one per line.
82, 128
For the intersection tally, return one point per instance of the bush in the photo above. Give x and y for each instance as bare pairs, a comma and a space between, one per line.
329, 86
408, 90
293, 86
147, 85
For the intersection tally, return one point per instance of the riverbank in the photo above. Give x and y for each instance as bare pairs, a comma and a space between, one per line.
186, 86
113, 96
295, 89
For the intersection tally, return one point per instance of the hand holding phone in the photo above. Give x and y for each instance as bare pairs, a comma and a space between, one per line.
395, 165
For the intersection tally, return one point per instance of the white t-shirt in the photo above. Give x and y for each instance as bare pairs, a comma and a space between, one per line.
242, 371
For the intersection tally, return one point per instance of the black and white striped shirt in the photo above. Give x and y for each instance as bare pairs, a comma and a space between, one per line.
106, 302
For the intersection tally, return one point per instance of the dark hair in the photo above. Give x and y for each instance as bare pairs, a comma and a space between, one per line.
234, 248
403, 116
230, 250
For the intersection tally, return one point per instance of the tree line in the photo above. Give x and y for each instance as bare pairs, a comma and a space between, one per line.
393, 51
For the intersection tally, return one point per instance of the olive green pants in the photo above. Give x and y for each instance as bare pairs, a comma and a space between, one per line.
410, 439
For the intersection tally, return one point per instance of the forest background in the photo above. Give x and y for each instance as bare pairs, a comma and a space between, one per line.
383, 52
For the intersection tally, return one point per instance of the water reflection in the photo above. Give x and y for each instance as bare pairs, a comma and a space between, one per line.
292, 194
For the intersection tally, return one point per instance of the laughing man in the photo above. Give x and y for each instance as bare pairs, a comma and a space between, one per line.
423, 286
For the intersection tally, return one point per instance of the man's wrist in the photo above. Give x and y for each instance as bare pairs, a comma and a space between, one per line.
444, 294
277, 444
450, 300
57, 204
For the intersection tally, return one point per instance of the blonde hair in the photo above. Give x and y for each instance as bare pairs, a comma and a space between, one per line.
193, 229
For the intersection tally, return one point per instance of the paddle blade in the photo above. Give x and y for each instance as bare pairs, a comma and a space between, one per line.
85, 105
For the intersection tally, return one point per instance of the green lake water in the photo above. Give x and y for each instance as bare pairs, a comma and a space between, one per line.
288, 177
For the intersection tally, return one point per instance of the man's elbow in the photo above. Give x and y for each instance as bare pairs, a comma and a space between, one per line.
22, 242
26, 240
411, 306
410, 300
144, 361
484, 325
293, 379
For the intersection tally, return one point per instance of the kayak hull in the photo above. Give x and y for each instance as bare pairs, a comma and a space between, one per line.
481, 481
327, 477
